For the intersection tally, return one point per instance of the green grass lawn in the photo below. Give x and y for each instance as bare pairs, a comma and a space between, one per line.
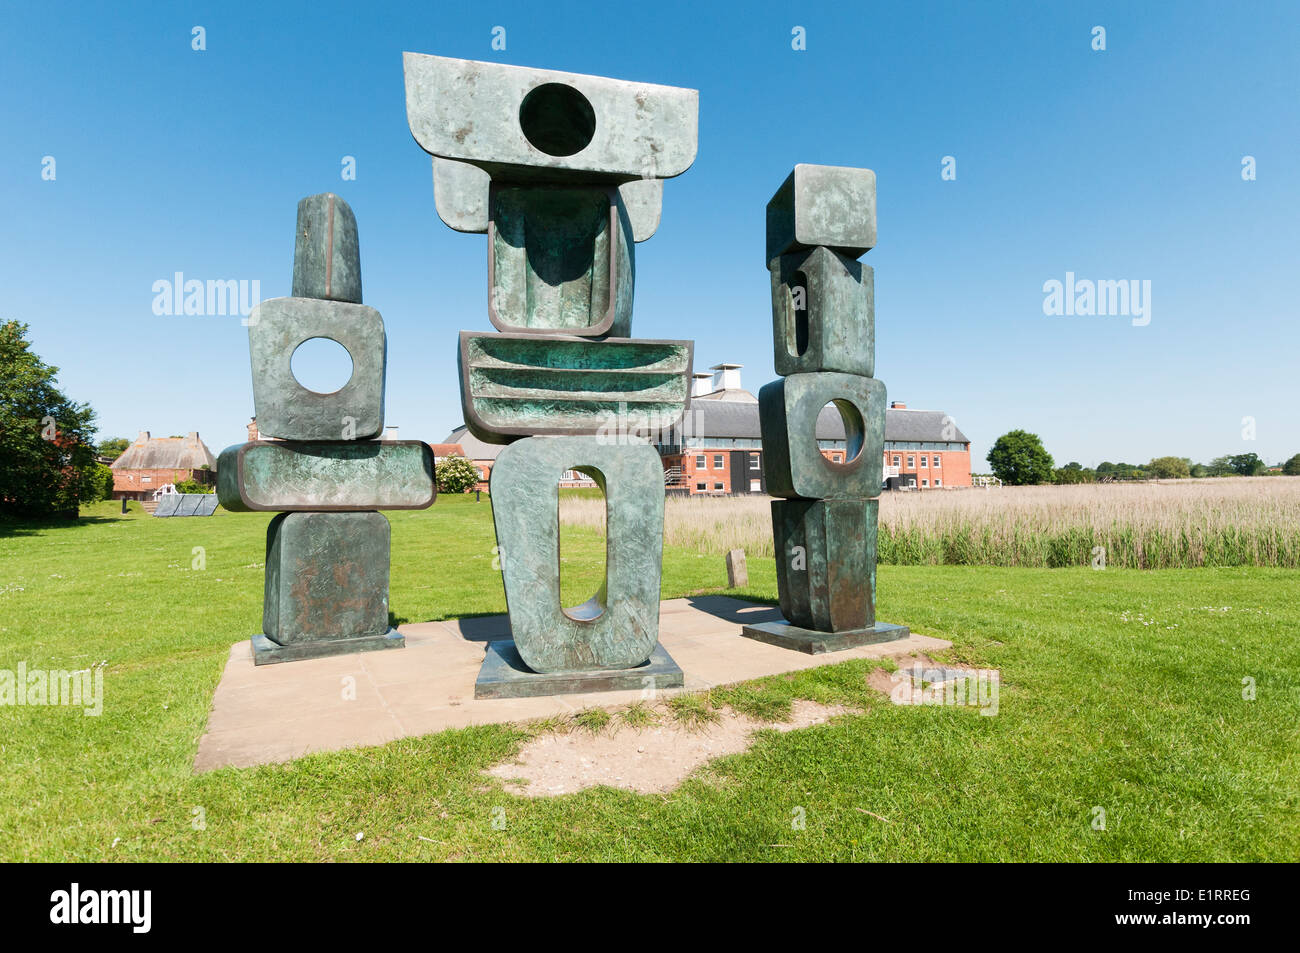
1120, 689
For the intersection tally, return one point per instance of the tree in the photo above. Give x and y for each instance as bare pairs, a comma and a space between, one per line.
1292, 466
194, 486
1198, 470
455, 475
1219, 466
1246, 464
113, 447
1169, 468
1074, 473
47, 460
1019, 458
98, 483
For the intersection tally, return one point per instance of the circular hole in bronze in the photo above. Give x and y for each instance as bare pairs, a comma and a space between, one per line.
557, 119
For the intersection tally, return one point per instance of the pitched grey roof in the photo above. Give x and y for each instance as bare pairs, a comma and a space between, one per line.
922, 425
475, 449
736, 418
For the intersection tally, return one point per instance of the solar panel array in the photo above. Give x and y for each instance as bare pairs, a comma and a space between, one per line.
186, 504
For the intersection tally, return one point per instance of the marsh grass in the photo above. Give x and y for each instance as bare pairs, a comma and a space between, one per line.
1176, 524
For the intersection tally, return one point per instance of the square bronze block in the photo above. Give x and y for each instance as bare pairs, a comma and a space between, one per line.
289, 411
792, 420
618, 627
326, 577
826, 562
823, 313
826, 205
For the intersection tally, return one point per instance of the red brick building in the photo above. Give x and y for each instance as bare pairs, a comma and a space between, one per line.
720, 447
153, 462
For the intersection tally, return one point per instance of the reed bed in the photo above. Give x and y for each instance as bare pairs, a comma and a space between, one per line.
1153, 525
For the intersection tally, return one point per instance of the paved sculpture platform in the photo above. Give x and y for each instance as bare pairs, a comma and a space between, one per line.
280, 712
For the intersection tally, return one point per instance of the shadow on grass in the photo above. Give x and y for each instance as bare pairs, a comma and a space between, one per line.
31, 526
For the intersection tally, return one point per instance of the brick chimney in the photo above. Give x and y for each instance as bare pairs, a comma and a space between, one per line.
897, 405
252, 430
143, 438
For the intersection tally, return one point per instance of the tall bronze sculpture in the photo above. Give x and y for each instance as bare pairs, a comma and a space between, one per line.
324, 473
564, 173
821, 220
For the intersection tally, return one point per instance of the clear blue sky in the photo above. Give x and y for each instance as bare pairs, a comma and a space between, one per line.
1122, 164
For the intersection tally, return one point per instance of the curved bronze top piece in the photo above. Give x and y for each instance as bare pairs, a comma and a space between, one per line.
518, 121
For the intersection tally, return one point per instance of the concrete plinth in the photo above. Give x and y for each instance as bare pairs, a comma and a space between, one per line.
788, 636
504, 675
266, 652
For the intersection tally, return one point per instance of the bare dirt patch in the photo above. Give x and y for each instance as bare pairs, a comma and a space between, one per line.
646, 760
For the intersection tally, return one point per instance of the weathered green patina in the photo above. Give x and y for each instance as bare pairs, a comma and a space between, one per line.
326, 253
835, 329
560, 259
618, 626
327, 552
284, 475
564, 172
823, 321
793, 464
517, 122
285, 408
515, 385
826, 562
327, 582
826, 205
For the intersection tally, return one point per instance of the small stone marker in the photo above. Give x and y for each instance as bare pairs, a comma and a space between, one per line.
737, 573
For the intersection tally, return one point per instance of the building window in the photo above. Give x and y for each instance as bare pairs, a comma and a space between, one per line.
717, 461
925, 461
935, 462
719, 486
755, 486
898, 461
146, 479
701, 487
925, 483
753, 461
701, 462
938, 482
911, 462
